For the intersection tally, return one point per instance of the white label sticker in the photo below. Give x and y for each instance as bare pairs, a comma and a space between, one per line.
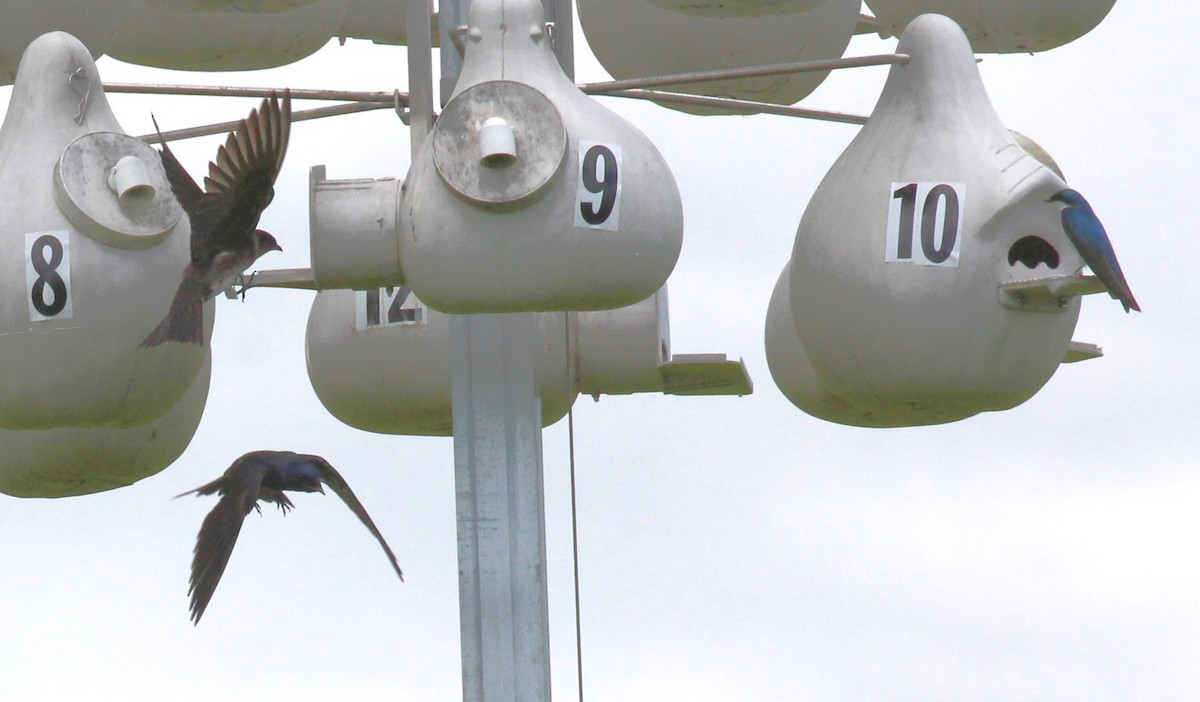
598, 193
387, 307
48, 275
925, 223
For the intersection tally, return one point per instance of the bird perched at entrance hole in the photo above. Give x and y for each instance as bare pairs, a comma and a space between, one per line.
1087, 234
224, 215
259, 475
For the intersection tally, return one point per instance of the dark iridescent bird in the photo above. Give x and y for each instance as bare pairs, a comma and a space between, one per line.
1087, 234
259, 475
224, 215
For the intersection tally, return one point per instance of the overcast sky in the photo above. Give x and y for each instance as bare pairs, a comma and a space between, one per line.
731, 548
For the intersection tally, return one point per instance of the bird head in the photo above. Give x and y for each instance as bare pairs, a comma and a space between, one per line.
308, 484
264, 242
299, 474
1067, 196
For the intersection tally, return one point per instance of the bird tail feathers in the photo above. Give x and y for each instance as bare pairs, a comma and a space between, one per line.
184, 322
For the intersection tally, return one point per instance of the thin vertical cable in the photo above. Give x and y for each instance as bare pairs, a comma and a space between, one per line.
574, 511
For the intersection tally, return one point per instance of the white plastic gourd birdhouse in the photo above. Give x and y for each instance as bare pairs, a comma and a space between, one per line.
92, 22
528, 195
68, 461
1002, 27
201, 35
736, 8
790, 368
92, 247
352, 231
207, 36
897, 280
379, 359
640, 38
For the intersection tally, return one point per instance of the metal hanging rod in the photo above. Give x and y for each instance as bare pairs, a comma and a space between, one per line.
394, 96
302, 115
389, 97
749, 107
751, 72
637, 88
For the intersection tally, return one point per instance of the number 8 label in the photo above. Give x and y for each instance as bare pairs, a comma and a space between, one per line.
598, 193
48, 275
925, 223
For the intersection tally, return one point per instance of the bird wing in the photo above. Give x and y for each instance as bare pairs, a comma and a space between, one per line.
240, 182
1086, 232
183, 185
1081, 231
335, 481
239, 491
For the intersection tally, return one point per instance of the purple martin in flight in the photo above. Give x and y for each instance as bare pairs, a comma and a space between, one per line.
259, 475
1087, 234
224, 215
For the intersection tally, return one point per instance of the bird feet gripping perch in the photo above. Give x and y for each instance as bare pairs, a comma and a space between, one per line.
237, 289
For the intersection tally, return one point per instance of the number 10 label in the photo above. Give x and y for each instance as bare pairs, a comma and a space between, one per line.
925, 223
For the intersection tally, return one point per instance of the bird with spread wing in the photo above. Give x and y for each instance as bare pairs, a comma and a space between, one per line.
224, 215
259, 475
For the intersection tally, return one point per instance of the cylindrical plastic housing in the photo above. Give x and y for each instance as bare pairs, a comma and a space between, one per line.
352, 229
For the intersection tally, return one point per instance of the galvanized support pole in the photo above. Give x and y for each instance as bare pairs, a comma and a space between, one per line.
503, 608
503, 612
560, 13
452, 16
420, 72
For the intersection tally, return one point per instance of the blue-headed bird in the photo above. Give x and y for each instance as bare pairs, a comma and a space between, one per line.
259, 475
1087, 234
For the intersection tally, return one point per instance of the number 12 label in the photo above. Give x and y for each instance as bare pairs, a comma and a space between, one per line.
48, 275
387, 307
598, 193
925, 223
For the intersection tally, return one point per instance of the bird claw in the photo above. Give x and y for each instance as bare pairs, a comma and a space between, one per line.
246, 284
239, 287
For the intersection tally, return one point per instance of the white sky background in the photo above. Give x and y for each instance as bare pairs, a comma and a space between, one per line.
731, 549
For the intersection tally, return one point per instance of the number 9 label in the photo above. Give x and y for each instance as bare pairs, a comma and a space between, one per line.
925, 223
598, 193
48, 275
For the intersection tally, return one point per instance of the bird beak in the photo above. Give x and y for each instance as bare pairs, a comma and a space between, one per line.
275, 247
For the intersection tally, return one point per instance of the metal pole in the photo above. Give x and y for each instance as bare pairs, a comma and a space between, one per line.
452, 14
560, 13
420, 72
504, 615
503, 611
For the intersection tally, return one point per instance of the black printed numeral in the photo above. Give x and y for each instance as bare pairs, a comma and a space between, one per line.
915, 214
385, 307
600, 176
48, 275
